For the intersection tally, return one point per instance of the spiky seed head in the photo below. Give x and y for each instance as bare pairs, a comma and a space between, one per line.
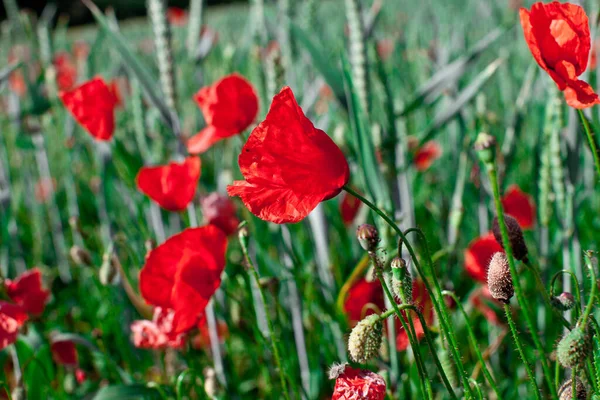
565, 392
563, 302
368, 237
515, 237
574, 348
365, 339
401, 280
485, 146
500, 281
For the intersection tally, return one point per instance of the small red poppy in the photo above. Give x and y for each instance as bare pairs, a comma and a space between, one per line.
478, 256
80, 375
356, 384
92, 104
558, 36
27, 291
229, 107
289, 165
219, 210
12, 318
171, 186
422, 300
520, 206
426, 155
177, 16
158, 333
64, 353
66, 72
364, 298
184, 272
349, 208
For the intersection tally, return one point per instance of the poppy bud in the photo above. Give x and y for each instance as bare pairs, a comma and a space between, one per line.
500, 282
485, 146
365, 339
401, 280
109, 272
563, 302
80, 256
515, 237
565, 392
574, 348
368, 237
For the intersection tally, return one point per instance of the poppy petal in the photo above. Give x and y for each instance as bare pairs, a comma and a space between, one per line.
478, 256
27, 291
12, 318
520, 206
580, 94
204, 139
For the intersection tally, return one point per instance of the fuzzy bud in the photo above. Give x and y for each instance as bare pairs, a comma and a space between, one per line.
365, 339
500, 281
109, 271
515, 237
574, 348
563, 302
80, 256
485, 146
401, 280
565, 392
368, 237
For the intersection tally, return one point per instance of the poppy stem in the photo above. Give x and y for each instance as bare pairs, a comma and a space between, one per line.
594, 283
591, 140
243, 238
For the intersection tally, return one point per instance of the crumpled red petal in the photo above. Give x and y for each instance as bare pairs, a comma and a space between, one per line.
364, 298
478, 256
356, 384
12, 318
64, 352
520, 206
426, 155
27, 291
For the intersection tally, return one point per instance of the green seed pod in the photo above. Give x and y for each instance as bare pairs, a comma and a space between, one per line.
574, 348
515, 237
500, 281
563, 302
565, 392
401, 280
365, 339
485, 146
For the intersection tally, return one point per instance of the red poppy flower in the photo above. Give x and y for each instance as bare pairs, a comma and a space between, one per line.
289, 165
220, 211
184, 272
12, 318
481, 299
171, 186
80, 375
92, 104
364, 298
558, 36
479, 254
229, 107
422, 300
356, 384
177, 16
426, 155
66, 73
158, 333
64, 353
349, 208
520, 206
27, 291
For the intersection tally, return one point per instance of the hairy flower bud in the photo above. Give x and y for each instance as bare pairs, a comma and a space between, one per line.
500, 281
368, 237
574, 348
563, 302
80, 256
365, 339
515, 237
565, 392
485, 146
401, 280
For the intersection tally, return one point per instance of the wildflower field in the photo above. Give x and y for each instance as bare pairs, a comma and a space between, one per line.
279, 199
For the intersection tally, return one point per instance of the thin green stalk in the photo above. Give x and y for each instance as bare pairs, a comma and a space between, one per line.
515, 334
574, 384
492, 174
591, 140
244, 244
541, 288
592, 299
473, 340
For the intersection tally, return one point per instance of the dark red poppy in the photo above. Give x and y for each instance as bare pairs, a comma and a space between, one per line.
184, 272
426, 155
12, 318
177, 16
219, 210
520, 206
66, 72
171, 186
27, 291
357, 384
229, 107
289, 165
364, 298
349, 208
423, 301
64, 353
158, 333
92, 104
558, 36
478, 256
482, 301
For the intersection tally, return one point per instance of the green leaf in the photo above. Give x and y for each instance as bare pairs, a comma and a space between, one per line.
37, 368
128, 392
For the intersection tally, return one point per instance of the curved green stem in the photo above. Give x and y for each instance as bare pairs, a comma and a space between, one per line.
591, 140
542, 288
592, 299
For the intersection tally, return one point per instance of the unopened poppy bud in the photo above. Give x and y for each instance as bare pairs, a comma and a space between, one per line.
564, 301
515, 237
365, 339
368, 237
574, 348
109, 272
500, 282
565, 392
80, 256
485, 145
401, 280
